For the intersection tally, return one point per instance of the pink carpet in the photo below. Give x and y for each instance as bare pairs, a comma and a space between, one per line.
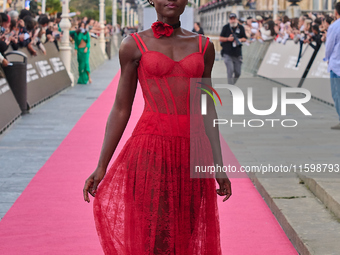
51, 217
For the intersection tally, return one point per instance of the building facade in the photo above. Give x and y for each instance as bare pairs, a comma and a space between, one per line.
283, 4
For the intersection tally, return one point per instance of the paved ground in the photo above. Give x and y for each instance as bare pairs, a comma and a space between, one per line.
306, 204
31, 140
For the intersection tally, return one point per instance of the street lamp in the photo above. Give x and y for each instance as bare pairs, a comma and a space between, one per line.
43, 6
294, 2
114, 13
123, 14
275, 9
102, 26
65, 49
293, 10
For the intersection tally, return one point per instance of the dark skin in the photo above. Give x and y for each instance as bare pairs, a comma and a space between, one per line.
180, 44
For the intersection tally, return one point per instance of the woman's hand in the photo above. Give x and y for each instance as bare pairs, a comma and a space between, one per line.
225, 185
4, 62
92, 182
85, 50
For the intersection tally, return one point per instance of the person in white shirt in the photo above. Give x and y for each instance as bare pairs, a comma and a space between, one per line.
332, 55
268, 31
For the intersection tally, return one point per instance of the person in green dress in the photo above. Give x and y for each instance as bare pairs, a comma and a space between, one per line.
82, 46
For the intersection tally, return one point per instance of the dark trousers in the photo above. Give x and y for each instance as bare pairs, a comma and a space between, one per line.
233, 65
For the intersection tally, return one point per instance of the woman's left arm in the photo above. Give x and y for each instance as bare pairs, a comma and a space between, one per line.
211, 131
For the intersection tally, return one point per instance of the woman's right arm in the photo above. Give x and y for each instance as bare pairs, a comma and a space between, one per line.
120, 112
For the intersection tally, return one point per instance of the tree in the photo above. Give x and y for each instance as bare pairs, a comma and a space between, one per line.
53, 6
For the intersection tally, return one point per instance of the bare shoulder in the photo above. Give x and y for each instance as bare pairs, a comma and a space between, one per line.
128, 44
211, 46
204, 38
128, 48
145, 33
189, 34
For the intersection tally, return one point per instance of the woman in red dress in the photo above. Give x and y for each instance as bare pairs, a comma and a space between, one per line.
147, 202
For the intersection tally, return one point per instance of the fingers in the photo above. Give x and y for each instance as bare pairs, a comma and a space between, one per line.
86, 190
227, 197
94, 188
225, 189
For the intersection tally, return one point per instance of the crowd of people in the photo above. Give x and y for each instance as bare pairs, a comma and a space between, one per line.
31, 29
312, 29
307, 28
26, 29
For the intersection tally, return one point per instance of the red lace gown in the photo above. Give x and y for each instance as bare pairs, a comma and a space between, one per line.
147, 203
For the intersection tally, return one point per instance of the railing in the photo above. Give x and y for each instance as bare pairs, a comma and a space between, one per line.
218, 3
253, 54
254, 13
267, 13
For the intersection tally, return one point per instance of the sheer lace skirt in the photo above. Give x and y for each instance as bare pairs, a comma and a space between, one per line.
148, 204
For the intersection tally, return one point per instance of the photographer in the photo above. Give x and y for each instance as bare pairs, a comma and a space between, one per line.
231, 38
315, 36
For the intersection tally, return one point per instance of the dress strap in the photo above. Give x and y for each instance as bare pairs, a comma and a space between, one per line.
146, 49
137, 42
200, 42
206, 45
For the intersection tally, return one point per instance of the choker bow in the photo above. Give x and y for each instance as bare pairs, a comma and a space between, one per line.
160, 28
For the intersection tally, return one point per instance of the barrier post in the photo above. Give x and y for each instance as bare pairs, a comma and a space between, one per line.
309, 65
65, 49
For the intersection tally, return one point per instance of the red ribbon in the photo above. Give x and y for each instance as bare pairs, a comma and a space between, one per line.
161, 29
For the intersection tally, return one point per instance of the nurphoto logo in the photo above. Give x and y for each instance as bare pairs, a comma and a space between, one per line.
239, 99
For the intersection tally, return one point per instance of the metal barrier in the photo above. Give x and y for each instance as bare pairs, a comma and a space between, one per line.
253, 55
280, 62
41, 70
318, 79
9, 108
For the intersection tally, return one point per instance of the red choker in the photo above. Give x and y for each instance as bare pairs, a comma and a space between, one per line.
163, 29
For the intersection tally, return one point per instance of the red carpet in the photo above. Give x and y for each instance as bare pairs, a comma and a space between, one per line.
51, 217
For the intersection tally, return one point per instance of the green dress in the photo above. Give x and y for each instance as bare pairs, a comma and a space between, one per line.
82, 57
